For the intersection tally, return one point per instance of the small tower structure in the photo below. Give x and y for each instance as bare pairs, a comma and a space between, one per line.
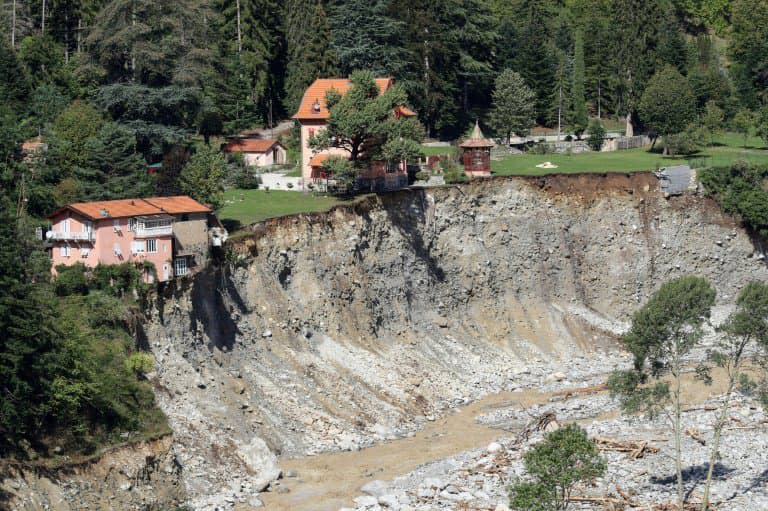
477, 153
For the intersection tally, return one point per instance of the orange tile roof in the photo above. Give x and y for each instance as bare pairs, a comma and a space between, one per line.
250, 145
134, 207
316, 92
318, 160
178, 205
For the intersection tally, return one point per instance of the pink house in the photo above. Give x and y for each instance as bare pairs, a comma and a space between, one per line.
165, 231
313, 115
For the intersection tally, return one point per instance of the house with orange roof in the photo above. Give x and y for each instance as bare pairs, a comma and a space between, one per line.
312, 117
257, 152
172, 233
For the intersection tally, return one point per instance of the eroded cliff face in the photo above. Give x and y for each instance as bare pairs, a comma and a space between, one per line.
336, 330
142, 477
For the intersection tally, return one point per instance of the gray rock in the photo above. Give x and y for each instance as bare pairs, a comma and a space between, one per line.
375, 488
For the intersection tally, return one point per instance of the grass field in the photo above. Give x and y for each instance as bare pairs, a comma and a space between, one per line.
244, 207
727, 150
436, 151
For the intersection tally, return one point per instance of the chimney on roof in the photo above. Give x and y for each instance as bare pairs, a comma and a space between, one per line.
133, 203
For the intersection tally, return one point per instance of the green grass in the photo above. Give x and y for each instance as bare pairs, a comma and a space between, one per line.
727, 150
437, 151
245, 207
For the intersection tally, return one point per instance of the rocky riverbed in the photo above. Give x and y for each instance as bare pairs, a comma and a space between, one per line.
478, 479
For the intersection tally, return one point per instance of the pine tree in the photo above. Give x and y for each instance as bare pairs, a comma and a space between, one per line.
310, 56
366, 37
532, 53
14, 87
152, 42
248, 47
579, 117
27, 338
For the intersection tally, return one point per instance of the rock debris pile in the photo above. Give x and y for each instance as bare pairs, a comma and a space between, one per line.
640, 475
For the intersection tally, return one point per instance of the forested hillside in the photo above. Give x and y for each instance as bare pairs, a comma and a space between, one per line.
113, 86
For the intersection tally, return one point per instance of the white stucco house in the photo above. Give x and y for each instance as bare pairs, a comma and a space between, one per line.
258, 152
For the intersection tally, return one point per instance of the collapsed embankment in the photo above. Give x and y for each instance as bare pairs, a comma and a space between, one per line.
335, 330
140, 476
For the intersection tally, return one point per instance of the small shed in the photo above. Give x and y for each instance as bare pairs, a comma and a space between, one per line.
477, 153
258, 152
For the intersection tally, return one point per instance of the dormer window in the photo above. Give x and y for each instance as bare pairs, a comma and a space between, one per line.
316, 107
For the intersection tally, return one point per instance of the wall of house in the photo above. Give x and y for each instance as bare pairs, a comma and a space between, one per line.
76, 224
113, 232
253, 159
191, 238
102, 250
306, 151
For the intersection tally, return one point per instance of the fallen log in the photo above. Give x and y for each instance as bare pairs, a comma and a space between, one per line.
635, 449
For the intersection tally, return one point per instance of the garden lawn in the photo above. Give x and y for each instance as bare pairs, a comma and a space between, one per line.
245, 207
727, 150
437, 151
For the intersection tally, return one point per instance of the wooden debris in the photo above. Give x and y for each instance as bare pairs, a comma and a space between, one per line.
688, 506
634, 449
696, 435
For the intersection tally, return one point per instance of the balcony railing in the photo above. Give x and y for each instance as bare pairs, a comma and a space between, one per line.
71, 236
151, 232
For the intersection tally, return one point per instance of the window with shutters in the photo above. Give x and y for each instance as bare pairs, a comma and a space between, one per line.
180, 266
64, 251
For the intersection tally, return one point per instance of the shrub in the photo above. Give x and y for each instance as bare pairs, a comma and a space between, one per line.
540, 148
422, 176
140, 363
687, 142
452, 173
71, 280
116, 279
595, 135
566, 457
247, 180
739, 190
289, 185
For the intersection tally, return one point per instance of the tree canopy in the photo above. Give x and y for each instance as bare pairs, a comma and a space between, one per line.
364, 123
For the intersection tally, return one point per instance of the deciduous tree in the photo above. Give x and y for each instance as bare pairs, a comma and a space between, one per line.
745, 328
566, 457
668, 104
203, 177
663, 331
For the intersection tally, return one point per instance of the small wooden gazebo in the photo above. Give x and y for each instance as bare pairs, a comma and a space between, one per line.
477, 153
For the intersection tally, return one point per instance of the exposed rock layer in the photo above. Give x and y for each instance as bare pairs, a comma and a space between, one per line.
335, 330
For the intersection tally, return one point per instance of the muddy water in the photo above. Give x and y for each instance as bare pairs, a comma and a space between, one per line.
327, 482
